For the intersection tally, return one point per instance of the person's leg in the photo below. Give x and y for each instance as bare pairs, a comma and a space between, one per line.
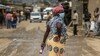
11, 24
8, 24
85, 27
0, 25
26, 17
98, 28
15, 23
4, 22
21, 19
42, 17
88, 27
75, 29
14, 26
18, 19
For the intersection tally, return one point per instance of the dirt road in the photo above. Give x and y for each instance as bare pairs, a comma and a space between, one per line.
26, 40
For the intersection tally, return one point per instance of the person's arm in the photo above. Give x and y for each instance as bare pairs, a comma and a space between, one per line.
46, 35
44, 39
77, 18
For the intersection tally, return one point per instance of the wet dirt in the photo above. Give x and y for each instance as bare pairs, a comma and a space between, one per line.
26, 41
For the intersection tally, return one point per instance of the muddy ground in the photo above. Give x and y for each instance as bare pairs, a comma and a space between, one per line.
26, 40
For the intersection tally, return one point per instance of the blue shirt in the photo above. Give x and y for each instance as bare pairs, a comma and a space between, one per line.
52, 24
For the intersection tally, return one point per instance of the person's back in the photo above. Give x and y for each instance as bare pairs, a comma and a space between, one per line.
14, 16
14, 21
87, 16
52, 23
8, 16
8, 20
67, 11
75, 18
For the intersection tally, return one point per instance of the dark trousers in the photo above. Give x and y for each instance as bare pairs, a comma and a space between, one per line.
8, 24
26, 17
75, 29
1, 23
14, 23
19, 19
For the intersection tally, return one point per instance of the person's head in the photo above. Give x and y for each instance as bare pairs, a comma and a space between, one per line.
57, 10
74, 11
97, 9
65, 5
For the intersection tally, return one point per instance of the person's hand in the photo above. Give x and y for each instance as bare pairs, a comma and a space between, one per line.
42, 48
43, 44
